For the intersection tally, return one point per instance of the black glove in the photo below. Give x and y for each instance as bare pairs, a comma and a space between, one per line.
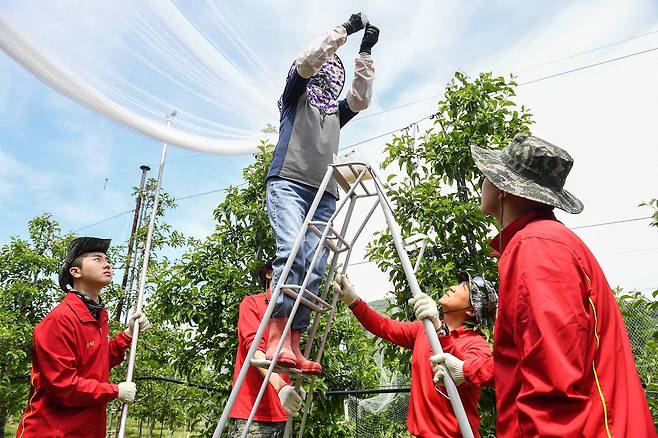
354, 24
370, 37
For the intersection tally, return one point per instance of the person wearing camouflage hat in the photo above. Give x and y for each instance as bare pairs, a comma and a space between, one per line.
73, 354
465, 305
562, 364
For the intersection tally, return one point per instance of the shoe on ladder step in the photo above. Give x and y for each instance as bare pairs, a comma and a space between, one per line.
286, 356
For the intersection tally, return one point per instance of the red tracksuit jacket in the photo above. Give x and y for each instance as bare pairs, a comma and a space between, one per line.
252, 309
70, 378
563, 364
430, 413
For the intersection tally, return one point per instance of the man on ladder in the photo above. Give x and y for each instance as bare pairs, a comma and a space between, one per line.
311, 119
280, 399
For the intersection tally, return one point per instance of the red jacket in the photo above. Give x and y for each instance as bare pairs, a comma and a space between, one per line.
252, 309
430, 413
70, 379
562, 359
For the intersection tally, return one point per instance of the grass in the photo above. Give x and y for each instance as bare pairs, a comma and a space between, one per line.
132, 431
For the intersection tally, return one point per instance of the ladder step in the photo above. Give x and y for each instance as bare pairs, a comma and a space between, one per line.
323, 307
346, 174
333, 234
265, 363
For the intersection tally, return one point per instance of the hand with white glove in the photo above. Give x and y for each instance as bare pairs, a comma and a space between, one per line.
127, 391
141, 319
290, 400
345, 289
425, 308
454, 365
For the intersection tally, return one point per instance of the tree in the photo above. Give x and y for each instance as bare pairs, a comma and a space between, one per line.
203, 291
27, 293
436, 192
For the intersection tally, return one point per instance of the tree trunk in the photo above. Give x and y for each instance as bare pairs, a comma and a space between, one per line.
151, 427
3, 422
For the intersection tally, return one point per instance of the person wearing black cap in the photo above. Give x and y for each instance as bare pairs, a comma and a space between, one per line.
280, 398
73, 354
465, 307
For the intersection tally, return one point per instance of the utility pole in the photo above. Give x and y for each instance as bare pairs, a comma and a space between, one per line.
131, 244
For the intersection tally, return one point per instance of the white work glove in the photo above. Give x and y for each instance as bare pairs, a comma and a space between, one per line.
454, 365
127, 391
141, 318
345, 289
425, 308
290, 400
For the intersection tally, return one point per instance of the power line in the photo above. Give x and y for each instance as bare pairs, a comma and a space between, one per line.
585, 52
56, 195
104, 220
611, 223
588, 66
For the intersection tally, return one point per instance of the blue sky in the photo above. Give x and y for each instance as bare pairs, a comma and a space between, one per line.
604, 116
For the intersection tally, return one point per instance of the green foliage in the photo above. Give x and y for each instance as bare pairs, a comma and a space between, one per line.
27, 292
641, 319
653, 203
435, 192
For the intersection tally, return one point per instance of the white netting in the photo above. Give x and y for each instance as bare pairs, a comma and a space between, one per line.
383, 415
135, 62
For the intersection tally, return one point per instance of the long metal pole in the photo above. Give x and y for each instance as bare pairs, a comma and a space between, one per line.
142, 280
131, 243
430, 331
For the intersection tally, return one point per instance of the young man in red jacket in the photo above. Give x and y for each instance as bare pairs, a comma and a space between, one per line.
563, 364
280, 397
465, 307
72, 354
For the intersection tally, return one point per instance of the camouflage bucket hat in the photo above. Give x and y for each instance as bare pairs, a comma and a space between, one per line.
78, 247
531, 168
483, 297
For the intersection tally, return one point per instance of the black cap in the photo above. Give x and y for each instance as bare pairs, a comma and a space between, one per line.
78, 247
262, 273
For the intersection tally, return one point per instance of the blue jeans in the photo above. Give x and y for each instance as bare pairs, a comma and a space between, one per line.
288, 202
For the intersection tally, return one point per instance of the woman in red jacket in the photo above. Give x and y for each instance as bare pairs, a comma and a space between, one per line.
465, 306
70, 378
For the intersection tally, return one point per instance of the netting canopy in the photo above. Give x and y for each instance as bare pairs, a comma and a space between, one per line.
135, 62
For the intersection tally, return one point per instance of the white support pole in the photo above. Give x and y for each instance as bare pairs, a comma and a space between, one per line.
142, 281
433, 338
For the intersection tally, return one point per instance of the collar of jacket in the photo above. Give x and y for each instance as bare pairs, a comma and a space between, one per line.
455, 333
510, 230
80, 309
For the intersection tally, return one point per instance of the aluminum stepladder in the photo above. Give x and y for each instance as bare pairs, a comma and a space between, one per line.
361, 172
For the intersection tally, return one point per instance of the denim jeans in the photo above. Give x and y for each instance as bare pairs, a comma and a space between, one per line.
288, 202
258, 429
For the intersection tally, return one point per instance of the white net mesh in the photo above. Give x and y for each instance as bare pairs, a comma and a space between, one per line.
383, 415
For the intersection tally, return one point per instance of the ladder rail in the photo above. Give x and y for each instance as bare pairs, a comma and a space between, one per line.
314, 261
293, 312
453, 395
311, 392
221, 424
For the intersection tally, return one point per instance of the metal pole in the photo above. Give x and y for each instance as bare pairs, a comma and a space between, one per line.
142, 281
134, 270
131, 244
433, 338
